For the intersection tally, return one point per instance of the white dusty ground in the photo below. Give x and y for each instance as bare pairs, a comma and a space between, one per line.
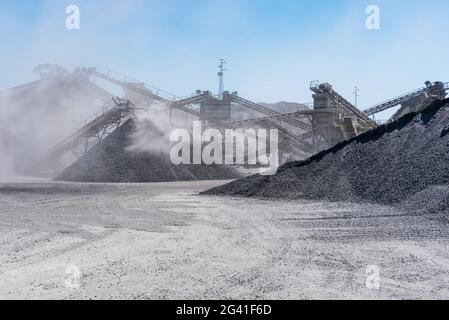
163, 241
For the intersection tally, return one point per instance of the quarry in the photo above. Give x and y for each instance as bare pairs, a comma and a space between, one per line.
87, 180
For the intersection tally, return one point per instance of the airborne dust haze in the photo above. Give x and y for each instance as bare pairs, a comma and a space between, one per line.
36, 116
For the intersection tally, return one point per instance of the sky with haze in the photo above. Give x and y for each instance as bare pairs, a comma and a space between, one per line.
273, 48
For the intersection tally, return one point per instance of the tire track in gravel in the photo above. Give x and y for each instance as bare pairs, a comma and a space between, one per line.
163, 241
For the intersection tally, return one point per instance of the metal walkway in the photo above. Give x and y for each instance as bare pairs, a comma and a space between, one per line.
403, 98
113, 115
266, 122
156, 94
326, 88
268, 112
163, 96
153, 93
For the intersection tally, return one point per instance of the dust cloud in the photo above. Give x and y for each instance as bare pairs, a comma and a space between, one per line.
36, 116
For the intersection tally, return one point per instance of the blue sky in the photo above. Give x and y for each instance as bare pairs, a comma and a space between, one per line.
274, 48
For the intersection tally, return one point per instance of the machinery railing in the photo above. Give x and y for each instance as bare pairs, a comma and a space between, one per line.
125, 81
401, 99
110, 115
257, 107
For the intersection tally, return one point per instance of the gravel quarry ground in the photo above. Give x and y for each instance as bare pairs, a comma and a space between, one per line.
164, 241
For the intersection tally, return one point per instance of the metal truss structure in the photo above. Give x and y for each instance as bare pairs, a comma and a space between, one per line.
331, 120
113, 114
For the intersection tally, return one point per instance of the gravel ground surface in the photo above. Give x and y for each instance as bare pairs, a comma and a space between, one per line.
394, 163
163, 240
113, 161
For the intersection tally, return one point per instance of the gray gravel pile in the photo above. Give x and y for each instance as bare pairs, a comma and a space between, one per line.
396, 163
433, 200
112, 161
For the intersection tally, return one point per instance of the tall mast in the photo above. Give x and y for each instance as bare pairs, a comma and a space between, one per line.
221, 70
356, 96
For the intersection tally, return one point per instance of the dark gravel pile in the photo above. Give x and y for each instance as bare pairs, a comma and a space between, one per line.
433, 200
397, 162
112, 161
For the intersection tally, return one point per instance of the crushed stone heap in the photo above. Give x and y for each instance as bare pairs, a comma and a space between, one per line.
112, 161
406, 161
